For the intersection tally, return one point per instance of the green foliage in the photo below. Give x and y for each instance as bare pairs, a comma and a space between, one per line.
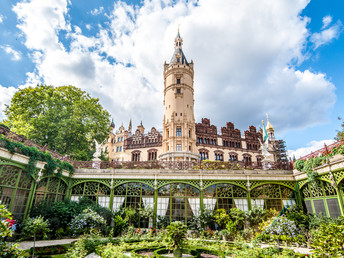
176, 235
111, 251
78, 250
86, 221
295, 213
194, 223
221, 217
146, 213
299, 164
340, 133
119, 224
238, 217
283, 226
35, 155
60, 214
264, 252
162, 222
130, 214
65, 118
256, 215
37, 228
7, 249
309, 165
328, 240
207, 219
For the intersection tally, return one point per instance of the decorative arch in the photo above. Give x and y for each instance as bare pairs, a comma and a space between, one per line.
95, 190
225, 195
106, 182
194, 183
10, 163
271, 195
51, 188
15, 187
134, 195
339, 175
289, 184
238, 184
119, 182
178, 201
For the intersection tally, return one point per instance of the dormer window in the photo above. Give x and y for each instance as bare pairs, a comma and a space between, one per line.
178, 60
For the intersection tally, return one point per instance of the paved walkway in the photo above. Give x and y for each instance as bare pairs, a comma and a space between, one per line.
28, 244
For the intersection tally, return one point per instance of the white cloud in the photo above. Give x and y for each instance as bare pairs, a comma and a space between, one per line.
40, 21
311, 147
6, 95
1, 18
97, 11
88, 26
326, 21
327, 34
243, 51
15, 55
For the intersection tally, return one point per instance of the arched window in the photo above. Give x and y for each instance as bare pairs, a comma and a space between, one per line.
135, 156
203, 154
152, 154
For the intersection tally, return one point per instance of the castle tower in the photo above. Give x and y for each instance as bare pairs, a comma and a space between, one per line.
179, 138
270, 130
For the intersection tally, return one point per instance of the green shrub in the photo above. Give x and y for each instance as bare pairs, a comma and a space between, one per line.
328, 240
238, 217
264, 252
35, 228
221, 217
295, 213
119, 224
176, 235
256, 215
283, 226
162, 222
86, 221
7, 249
207, 219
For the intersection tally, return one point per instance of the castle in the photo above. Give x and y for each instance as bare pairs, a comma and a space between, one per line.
182, 139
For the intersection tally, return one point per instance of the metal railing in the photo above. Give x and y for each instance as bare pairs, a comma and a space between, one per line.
325, 150
180, 165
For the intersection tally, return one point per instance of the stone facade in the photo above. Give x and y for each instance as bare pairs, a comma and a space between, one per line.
182, 139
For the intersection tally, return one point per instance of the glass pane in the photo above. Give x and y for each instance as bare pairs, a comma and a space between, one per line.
309, 206
319, 207
333, 207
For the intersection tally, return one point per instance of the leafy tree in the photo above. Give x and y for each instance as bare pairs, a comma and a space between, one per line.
36, 227
340, 133
65, 119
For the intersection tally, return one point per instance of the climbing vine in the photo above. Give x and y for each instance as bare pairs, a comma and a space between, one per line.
307, 166
35, 155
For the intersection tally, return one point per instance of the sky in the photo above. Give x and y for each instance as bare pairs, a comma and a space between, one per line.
284, 58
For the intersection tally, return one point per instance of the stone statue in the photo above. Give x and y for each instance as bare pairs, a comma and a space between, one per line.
264, 147
98, 149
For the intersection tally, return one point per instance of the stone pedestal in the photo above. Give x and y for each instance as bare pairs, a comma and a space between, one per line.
267, 164
96, 163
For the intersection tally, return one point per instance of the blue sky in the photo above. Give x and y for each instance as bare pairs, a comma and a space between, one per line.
284, 58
